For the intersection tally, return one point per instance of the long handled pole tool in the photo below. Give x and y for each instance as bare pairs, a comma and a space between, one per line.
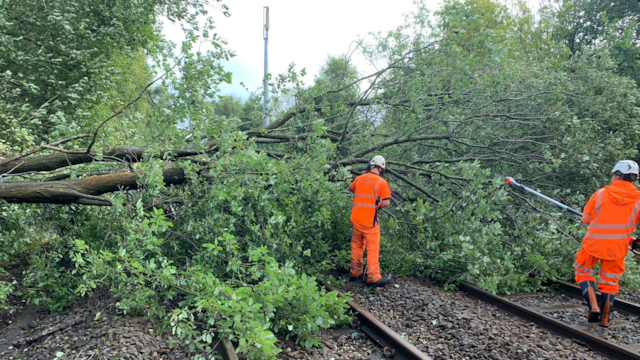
511, 181
635, 245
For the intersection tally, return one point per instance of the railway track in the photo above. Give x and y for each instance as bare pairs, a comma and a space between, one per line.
560, 312
382, 334
541, 309
225, 349
566, 317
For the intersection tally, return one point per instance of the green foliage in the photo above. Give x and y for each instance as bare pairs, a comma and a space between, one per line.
335, 90
581, 24
249, 113
554, 122
67, 65
228, 106
6, 289
227, 258
230, 257
591, 24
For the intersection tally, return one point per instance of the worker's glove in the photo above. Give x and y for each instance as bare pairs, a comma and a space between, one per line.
635, 246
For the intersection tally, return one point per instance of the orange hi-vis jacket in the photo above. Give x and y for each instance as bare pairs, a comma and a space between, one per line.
369, 190
612, 214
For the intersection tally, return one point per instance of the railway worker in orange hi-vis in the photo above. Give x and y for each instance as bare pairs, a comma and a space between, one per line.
612, 214
370, 194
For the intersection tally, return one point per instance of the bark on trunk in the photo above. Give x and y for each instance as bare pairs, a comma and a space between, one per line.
59, 160
79, 191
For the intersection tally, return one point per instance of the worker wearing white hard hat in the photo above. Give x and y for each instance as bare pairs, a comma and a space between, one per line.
371, 193
612, 214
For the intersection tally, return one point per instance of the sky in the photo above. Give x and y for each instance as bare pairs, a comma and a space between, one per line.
301, 31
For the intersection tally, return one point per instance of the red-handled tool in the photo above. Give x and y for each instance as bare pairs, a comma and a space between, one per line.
635, 244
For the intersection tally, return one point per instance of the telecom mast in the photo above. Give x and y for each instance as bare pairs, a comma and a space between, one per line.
265, 35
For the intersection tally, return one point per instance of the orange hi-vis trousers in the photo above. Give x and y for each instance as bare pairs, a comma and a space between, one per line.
610, 271
368, 238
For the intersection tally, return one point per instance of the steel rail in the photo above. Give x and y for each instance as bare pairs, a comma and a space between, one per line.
382, 334
594, 342
225, 348
572, 290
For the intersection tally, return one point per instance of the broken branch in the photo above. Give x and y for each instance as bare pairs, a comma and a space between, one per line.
49, 331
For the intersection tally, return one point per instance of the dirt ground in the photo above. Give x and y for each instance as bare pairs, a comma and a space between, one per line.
104, 333
445, 325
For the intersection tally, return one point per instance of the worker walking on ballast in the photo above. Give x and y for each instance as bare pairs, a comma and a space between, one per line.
370, 193
612, 214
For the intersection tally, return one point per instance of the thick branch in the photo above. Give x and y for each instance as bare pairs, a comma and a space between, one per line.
291, 137
430, 171
411, 183
48, 331
398, 141
79, 191
301, 110
352, 161
10, 163
59, 160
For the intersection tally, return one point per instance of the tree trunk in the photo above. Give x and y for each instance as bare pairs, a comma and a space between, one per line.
59, 160
79, 191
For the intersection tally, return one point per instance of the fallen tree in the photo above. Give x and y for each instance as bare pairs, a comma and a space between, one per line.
452, 137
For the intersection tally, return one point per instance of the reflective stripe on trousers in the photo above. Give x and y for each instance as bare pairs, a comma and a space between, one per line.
610, 274
365, 238
583, 270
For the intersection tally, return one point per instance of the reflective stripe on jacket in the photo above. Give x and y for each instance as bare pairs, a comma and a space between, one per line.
612, 215
368, 190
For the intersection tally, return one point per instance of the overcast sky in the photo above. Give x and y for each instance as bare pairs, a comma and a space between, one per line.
301, 31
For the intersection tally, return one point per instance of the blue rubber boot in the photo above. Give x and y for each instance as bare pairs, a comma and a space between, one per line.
589, 293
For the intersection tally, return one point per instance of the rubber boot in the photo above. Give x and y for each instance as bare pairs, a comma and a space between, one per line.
380, 283
589, 293
606, 302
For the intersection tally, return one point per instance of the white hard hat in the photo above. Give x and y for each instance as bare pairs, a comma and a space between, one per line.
626, 167
379, 161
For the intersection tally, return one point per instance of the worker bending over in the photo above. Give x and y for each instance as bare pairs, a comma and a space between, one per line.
612, 214
370, 193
